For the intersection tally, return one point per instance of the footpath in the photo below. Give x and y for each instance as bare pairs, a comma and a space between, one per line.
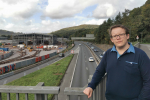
145, 48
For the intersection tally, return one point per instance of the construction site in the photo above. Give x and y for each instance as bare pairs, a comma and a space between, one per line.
27, 49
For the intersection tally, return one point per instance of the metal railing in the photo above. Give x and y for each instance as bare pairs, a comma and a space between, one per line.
41, 92
98, 93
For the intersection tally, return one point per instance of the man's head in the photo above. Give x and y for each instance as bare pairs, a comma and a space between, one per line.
119, 35
121, 26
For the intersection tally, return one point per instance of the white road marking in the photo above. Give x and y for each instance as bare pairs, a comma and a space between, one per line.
24, 74
47, 64
5, 82
38, 68
86, 68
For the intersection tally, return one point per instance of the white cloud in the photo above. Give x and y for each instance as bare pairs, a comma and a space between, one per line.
94, 21
24, 15
10, 25
45, 22
18, 8
29, 22
104, 11
2, 21
66, 8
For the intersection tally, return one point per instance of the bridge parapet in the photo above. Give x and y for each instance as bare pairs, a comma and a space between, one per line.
38, 90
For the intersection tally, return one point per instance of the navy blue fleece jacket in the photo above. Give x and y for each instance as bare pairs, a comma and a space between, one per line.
128, 75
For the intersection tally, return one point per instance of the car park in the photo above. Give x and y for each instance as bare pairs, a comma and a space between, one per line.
61, 55
91, 59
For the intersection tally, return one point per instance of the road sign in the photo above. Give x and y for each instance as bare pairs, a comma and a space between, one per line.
72, 51
137, 37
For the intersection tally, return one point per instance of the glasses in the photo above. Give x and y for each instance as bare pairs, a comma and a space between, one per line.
116, 36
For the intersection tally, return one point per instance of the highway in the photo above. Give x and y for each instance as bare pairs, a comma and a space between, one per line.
84, 68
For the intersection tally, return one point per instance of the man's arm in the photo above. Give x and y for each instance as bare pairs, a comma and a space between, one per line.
99, 73
145, 72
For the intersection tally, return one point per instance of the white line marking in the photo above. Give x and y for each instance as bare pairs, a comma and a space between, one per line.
38, 68
24, 74
5, 82
86, 68
74, 69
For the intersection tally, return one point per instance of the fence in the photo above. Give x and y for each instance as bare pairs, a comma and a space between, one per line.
4, 56
41, 92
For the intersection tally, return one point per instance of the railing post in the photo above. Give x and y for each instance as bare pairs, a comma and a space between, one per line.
46, 97
68, 97
79, 97
17, 96
8, 96
39, 96
0, 96
26, 96
94, 95
56, 96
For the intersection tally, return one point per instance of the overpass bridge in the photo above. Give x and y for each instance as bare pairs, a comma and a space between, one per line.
88, 37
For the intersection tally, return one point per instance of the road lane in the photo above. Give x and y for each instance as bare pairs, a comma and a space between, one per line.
84, 68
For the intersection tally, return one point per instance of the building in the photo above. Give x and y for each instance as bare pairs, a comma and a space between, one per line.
34, 39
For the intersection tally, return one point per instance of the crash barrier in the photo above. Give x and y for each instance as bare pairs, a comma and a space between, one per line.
137, 45
21, 64
40, 91
4, 56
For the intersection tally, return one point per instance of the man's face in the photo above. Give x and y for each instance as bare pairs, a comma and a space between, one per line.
119, 37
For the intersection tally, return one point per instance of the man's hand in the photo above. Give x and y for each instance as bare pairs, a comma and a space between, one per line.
88, 91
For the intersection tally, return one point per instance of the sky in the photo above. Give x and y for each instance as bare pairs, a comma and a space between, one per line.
46, 16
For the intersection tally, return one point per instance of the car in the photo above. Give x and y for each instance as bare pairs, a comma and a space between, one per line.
91, 59
101, 55
95, 50
61, 55
79, 44
92, 47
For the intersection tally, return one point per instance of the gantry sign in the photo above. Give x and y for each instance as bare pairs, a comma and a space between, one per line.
88, 37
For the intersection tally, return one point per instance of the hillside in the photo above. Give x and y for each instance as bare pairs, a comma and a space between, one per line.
5, 32
67, 32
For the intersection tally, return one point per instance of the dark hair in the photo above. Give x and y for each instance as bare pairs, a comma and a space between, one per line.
121, 26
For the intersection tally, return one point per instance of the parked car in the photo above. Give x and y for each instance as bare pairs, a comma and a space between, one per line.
61, 55
79, 44
101, 55
91, 59
95, 50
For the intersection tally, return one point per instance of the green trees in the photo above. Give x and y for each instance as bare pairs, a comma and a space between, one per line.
137, 20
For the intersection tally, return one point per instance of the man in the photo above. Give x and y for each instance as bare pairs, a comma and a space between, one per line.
127, 68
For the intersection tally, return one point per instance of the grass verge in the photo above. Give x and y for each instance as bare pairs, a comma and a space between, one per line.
51, 76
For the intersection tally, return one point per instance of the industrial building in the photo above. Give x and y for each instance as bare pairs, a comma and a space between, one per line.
34, 39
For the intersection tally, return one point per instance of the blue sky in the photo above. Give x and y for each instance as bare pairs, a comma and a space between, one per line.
45, 16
